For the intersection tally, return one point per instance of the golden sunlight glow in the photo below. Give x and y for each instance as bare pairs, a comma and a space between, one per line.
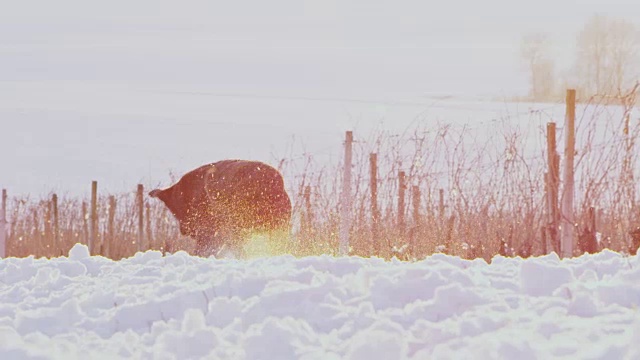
261, 245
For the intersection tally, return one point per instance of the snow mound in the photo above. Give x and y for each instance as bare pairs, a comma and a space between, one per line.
178, 306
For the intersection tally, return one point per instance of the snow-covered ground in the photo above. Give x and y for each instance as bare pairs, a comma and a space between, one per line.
184, 307
127, 91
59, 144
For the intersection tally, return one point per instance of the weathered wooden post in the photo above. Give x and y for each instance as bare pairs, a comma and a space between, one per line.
85, 225
37, 235
544, 233
3, 225
592, 244
401, 206
111, 238
345, 216
149, 242
587, 241
552, 185
93, 220
441, 208
415, 194
448, 242
140, 205
56, 225
308, 218
375, 215
568, 189
442, 229
417, 220
47, 238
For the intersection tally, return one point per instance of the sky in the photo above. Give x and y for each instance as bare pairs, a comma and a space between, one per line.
462, 47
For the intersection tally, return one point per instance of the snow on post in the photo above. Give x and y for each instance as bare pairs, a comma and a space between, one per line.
567, 196
3, 223
345, 216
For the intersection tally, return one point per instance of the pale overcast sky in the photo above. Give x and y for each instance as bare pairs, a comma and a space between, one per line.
466, 47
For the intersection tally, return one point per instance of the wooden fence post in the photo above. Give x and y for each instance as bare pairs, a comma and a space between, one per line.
3, 225
441, 208
140, 205
48, 224
417, 221
308, 216
401, 206
375, 215
149, 242
85, 226
56, 225
591, 226
345, 216
448, 241
544, 234
111, 238
37, 235
567, 196
587, 241
93, 220
552, 185
442, 228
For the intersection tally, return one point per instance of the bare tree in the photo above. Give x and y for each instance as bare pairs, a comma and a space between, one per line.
607, 56
535, 53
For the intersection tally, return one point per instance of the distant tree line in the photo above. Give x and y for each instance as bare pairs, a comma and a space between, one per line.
606, 62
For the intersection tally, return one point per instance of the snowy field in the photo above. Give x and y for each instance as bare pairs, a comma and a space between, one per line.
58, 144
183, 307
127, 91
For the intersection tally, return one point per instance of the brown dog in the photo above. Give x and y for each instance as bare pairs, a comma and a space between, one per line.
220, 204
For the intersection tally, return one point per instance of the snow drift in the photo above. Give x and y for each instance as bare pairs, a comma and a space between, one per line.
179, 306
